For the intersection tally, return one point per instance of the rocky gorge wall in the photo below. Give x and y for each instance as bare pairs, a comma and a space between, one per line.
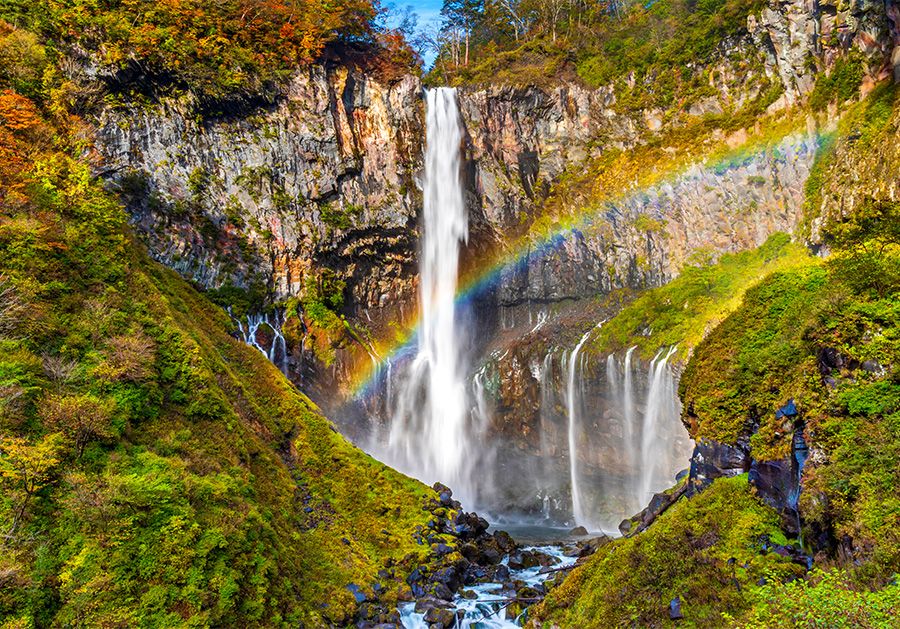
325, 179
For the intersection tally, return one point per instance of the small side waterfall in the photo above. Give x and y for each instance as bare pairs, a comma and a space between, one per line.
574, 399
654, 443
263, 325
428, 436
663, 409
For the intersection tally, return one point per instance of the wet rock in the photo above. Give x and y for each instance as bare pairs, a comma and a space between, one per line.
528, 594
872, 366
439, 590
504, 541
447, 576
357, 593
470, 551
675, 609
788, 410
442, 549
414, 576
829, 359
578, 531
501, 573
774, 482
490, 556
445, 494
427, 603
587, 547
443, 617
475, 574
794, 553
520, 560
469, 525
712, 460
658, 505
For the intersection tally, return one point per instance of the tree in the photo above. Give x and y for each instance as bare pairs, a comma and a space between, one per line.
867, 248
26, 468
460, 17
82, 418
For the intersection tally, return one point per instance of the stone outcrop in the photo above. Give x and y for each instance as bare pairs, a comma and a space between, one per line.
645, 238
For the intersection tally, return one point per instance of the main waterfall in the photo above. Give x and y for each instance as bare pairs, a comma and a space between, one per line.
428, 433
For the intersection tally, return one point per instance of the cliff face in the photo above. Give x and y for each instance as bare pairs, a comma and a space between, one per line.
328, 178
325, 179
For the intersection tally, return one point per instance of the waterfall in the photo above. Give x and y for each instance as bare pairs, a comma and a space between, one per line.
277, 353
662, 410
654, 443
428, 434
573, 402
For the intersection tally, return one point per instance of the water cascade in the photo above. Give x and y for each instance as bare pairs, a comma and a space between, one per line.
654, 444
428, 435
662, 411
262, 325
574, 399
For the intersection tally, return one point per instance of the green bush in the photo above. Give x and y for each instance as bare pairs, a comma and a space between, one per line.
842, 84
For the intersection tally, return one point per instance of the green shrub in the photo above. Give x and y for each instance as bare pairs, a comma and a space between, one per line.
842, 84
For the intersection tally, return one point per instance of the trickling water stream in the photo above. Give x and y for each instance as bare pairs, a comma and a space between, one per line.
269, 324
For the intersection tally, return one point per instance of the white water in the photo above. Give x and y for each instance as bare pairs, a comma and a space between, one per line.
660, 416
277, 353
573, 402
484, 611
654, 443
429, 434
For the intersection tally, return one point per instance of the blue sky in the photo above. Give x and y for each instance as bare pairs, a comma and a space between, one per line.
429, 12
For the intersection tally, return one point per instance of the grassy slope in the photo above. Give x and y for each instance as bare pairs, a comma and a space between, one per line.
685, 553
167, 474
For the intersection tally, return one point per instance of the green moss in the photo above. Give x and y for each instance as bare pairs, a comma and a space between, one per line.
684, 310
212, 493
827, 599
705, 550
339, 216
842, 84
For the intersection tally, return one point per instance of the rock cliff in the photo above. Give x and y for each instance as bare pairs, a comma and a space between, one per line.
327, 179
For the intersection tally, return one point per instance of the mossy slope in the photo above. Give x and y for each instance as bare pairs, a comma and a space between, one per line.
706, 551
155, 471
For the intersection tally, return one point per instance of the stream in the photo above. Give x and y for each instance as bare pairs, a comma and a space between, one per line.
485, 605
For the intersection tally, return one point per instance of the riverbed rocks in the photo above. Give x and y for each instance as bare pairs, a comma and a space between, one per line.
476, 557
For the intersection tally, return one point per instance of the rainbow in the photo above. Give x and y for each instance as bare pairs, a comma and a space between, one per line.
533, 247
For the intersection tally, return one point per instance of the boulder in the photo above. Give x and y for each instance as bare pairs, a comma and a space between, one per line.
675, 609
578, 531
437, 615
427, 603
712, 460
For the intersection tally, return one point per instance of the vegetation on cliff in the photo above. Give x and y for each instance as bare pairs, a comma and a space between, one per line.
217, 50
684, 311
155, 471
650, 52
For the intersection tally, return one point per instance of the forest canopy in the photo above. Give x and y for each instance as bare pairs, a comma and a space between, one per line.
217, 49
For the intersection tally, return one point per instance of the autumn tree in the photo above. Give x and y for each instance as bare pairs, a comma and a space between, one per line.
82, 418
25, 468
